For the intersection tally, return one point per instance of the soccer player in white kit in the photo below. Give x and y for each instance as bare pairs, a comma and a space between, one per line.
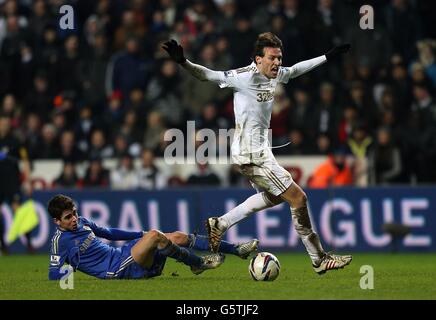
254, 88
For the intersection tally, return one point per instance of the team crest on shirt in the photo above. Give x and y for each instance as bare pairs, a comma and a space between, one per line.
228, 73
55, 260
87, 228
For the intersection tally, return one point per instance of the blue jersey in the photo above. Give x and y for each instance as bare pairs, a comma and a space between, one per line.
84, 251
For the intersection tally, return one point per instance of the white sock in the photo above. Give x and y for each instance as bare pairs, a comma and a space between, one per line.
253, 204
303, 226
313, 247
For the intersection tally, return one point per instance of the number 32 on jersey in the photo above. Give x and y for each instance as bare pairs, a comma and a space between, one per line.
264, 96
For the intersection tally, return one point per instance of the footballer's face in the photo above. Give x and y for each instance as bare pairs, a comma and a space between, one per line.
269, 64
68, 220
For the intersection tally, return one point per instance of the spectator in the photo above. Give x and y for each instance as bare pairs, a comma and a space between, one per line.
68, 64
12, 110
419, 76
92, 72
364, 105
403, 26
154, 130
210, 119
280, 116
130, 28
96, 175
32, 135
326, 114
39, 98
347, 123
150, 178
99, 148
298, 144
334, 172
323, 145
301, 112
68, 177
424, 103
196, 93
83, 128
130, 128
40, 18
124, 176
204, 176
359, 145
129, 70
426, 49
138, 104
163, 91
49, 147
114, 111
384, 160
68, 148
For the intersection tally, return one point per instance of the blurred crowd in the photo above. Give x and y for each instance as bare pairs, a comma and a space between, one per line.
106, 89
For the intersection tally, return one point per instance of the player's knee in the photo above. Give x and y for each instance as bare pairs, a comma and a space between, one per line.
155, 235
298, 199
176, 237
302, 198
179, 237
272, 199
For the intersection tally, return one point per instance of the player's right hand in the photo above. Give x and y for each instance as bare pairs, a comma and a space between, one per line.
174, 50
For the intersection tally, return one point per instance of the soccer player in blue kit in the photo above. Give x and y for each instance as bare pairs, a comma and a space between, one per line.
76, 242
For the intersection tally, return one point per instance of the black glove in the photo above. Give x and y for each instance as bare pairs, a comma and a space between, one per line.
332, 53
175, 51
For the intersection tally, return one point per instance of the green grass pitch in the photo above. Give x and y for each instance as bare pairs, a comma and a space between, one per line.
396, 276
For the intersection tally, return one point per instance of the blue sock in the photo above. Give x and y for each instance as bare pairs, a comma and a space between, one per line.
181, 254
199, 242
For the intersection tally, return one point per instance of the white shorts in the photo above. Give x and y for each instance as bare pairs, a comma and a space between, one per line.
265, 174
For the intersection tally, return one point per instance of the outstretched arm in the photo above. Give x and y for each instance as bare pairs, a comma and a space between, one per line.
113, 234
307, 65
175, 51
203, 73
116, 234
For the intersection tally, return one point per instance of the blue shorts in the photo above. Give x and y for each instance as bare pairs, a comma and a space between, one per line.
129, 269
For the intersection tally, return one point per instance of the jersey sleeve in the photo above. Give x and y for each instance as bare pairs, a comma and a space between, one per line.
58, 256
225, 79
229, 79
286, 73
114, 234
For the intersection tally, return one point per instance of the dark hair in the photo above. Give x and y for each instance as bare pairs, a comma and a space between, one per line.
59, 204
266, 39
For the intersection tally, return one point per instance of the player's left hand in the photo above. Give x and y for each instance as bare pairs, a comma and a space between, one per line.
175, 51
334, 52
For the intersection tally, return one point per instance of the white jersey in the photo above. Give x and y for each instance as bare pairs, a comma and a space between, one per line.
253, 100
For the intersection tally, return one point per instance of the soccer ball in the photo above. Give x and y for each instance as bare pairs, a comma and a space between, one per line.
264, 267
